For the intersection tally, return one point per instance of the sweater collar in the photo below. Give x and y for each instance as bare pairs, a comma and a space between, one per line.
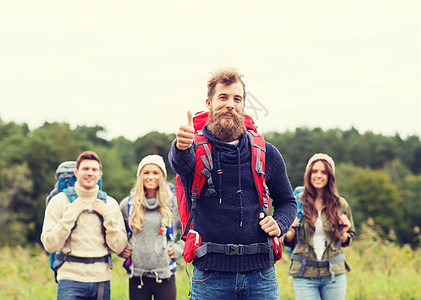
151, 203
84, 193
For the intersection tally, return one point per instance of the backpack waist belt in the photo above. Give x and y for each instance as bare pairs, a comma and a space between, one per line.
318, 264
86, 260
232, 249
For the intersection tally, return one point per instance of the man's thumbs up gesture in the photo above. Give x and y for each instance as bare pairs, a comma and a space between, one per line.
185, 133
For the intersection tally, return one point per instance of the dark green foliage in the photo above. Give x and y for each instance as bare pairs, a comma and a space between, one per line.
117, 180
390, 194
411, 195
17, 221
126, 150
365, 150
377, 197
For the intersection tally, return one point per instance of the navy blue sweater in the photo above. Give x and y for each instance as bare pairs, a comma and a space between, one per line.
230, 217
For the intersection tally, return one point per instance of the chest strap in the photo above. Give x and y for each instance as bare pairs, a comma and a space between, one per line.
232, 249
318, 264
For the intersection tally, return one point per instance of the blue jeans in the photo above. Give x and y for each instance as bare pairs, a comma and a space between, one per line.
258, 285
320, 287
72, 290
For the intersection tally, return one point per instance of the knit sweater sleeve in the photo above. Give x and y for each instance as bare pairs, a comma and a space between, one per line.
59, 220
280, 190
115, 231
182, 161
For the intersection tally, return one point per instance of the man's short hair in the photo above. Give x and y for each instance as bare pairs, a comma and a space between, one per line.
88, 155
226, 77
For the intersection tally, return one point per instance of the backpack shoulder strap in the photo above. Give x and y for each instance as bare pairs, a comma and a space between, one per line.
202, 174
70, 193
258, 160
170, 226
72, 196
102, 196
130, 205
203, 168
298, 192
130, 208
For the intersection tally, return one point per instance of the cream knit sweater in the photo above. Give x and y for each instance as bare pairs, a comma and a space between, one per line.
87, 238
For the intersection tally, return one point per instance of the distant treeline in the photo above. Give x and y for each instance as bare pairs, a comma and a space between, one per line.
379, 175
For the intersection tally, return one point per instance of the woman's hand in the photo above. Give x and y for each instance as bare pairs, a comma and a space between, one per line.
171, 252
127, 252
291, 232
295, 224
346, 224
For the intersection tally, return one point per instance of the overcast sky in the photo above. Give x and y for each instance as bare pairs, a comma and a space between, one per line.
137, 66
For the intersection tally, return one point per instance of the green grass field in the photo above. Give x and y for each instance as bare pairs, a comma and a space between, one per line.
379, 271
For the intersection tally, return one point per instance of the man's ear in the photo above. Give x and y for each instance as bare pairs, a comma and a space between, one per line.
208, 104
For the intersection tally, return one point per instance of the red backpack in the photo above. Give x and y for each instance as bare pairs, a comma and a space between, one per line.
202, 174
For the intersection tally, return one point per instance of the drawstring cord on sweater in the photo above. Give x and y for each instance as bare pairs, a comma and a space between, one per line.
219, 171
152, 272
157, 279
240, 192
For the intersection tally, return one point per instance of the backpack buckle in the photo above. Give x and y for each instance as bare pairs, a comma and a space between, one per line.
89, 260
232, 249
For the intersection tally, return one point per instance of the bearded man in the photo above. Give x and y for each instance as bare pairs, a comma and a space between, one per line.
232, 218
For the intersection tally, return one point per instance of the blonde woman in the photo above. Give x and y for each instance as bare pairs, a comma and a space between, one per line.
151, 217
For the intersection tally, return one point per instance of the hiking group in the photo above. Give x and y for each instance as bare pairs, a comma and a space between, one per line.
226, 176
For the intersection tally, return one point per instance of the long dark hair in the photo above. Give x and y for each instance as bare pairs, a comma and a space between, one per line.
331, 199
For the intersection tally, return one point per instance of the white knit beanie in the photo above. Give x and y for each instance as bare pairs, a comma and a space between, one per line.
152, 159
321, 156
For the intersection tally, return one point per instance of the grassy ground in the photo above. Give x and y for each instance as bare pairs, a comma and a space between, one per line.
379, 271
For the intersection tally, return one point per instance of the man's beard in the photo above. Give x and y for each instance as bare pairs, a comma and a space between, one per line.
226, 130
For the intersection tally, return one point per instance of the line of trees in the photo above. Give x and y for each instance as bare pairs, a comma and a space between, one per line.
379, 175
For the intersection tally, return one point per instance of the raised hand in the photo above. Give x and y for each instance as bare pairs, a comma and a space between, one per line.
185, 133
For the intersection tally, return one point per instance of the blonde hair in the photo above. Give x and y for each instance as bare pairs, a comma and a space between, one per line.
163, 195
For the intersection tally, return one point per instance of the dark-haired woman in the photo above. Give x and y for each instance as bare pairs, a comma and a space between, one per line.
323, 226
